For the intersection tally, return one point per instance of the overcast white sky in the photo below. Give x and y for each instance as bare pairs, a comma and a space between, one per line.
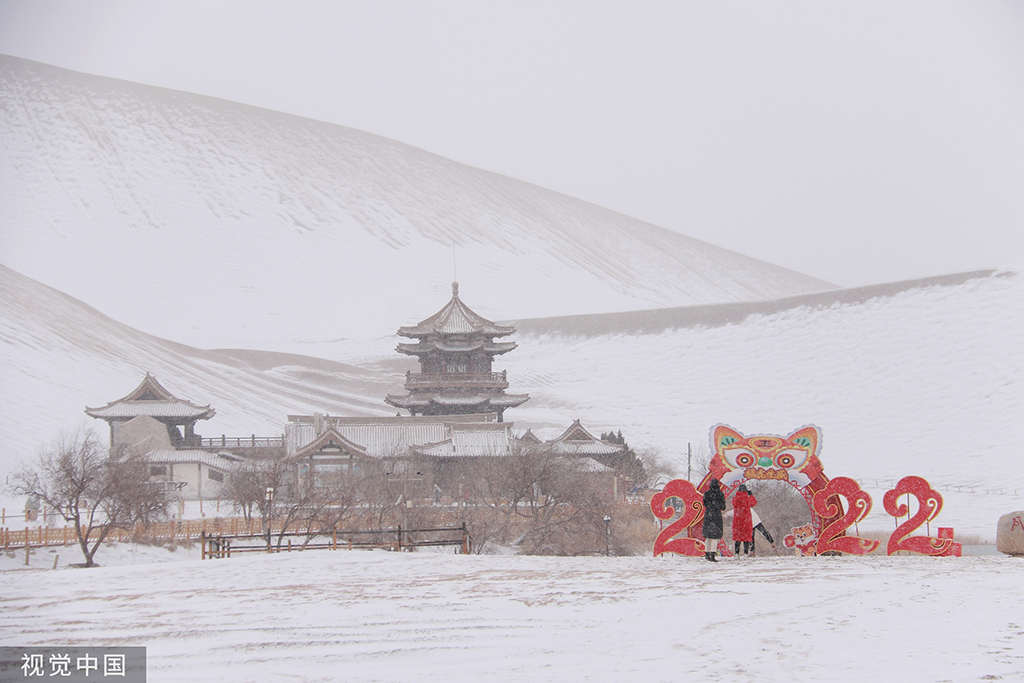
858, 142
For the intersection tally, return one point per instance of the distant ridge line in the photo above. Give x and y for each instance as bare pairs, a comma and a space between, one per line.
654, 321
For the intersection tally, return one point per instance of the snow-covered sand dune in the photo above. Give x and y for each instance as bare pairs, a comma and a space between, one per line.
221, 224
378, 616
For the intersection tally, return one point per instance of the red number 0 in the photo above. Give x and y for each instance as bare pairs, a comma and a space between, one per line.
693, 512
929, 504
832, 536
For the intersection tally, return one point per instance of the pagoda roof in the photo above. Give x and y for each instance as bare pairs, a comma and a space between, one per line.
576, 440
450, 345
530, 438
382, 437
330, 438
152, 399
469, 443
456, 318
482, 400
224, 461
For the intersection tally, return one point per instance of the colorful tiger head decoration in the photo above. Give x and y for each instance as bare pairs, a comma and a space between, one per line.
764, 456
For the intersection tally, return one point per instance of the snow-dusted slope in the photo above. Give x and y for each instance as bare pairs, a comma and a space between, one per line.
923, 377
58, 356
220, 224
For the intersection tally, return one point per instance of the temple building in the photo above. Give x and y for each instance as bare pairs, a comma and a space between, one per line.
151, 399
456, 349
456, 402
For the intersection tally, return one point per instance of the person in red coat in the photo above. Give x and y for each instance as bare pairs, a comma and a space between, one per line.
742, 523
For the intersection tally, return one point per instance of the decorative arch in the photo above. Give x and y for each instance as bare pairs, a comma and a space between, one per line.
793, 459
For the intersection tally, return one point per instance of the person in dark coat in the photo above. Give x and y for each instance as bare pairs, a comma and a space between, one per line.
742, 520
714, 505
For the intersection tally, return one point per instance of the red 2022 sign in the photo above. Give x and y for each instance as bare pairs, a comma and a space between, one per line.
825, 504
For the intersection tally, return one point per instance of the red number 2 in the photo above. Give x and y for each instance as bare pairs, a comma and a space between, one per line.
832, 536
929, 504
692, 513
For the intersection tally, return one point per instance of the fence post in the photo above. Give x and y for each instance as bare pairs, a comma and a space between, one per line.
202, 539
399, 538
465, 540
334, 539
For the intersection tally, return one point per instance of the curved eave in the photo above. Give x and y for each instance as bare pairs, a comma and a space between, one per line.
406, 401
425, 348
482, 401
509, 400
420, 331
155, 409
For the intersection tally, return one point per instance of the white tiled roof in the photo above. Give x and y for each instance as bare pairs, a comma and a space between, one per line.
590, 466
223, 462
579, 448
151, 408
456, 318
379, 440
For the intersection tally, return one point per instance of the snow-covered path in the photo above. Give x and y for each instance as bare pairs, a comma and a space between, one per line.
377, 616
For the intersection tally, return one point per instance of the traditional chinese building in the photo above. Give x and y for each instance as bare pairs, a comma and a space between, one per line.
456, 349
153, 400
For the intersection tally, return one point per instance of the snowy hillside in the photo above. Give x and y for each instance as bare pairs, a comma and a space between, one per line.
923, 377
223, 225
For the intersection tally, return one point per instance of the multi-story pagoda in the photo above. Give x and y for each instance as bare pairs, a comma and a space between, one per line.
456, 350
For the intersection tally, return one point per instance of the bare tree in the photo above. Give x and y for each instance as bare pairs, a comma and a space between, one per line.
265, 489
655, 468
92, 490
537, 501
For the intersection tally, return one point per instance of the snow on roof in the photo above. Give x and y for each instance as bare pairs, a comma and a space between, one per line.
151, 398
389, 436
127, 411
590, 466
577, 441
221, 461
456, 318
470, 443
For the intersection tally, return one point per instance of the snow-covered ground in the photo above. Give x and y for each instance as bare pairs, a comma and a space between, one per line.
379, 616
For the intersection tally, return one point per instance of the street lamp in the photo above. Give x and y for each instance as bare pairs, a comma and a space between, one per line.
607, 535
269, 512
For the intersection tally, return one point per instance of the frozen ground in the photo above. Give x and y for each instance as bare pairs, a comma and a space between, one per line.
378, 616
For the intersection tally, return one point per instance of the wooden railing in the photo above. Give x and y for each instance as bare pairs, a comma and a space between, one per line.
433, 379
243, 442
184, 530
398, 539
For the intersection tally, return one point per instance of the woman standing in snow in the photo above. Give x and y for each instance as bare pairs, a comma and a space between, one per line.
714, 505
742, 520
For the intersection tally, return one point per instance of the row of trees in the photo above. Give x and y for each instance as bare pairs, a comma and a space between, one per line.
532, 500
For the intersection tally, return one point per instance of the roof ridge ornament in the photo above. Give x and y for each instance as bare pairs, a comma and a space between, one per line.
455, 289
